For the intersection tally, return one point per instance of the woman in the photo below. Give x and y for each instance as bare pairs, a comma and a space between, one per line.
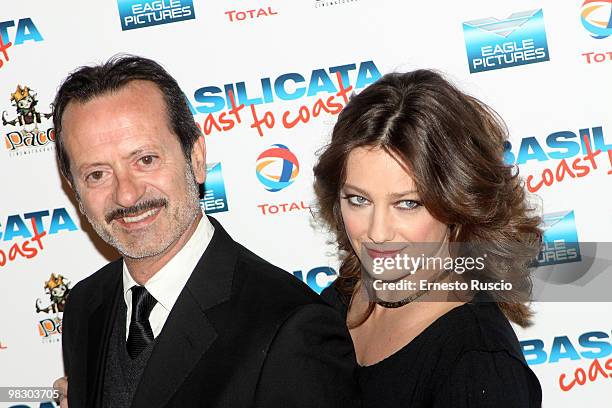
414, 160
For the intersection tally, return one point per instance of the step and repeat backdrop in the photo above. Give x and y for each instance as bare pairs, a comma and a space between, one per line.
544, 65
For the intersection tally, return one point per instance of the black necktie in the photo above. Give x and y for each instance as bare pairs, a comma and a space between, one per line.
140, 335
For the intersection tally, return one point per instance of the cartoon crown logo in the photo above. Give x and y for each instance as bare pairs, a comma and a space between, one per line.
54, 281
20, 93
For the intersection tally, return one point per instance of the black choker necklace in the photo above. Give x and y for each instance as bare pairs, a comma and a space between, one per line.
409, 299
400, 303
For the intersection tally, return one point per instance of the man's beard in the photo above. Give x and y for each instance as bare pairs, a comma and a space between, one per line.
182, 216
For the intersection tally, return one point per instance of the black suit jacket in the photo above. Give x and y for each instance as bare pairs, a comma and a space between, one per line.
243, 333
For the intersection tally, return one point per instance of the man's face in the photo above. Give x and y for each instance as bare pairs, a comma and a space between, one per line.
129, 172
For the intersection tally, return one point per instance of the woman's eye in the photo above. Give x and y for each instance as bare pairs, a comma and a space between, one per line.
356, 200
407, 204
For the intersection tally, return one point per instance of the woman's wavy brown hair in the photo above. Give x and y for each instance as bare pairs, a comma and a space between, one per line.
452, 145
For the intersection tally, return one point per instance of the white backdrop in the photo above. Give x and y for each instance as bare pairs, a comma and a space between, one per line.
565, 87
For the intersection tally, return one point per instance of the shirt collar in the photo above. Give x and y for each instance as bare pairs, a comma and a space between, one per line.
166, 285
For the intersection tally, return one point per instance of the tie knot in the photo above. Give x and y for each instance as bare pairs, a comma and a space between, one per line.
142, 303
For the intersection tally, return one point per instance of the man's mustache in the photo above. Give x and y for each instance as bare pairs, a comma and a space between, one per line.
138, 208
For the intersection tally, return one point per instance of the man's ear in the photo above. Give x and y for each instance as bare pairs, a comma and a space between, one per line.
198, 159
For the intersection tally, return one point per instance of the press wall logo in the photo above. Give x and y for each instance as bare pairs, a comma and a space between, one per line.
575, 155
594, 347
24, 135
25, 31
145, 13
25, 233
596, 17
277, 168
57, 289
560, 242
317, 278
212, 192
329, 3
252, 14
519, 39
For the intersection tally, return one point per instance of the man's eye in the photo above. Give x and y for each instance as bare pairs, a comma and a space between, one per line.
95, 175
147, 160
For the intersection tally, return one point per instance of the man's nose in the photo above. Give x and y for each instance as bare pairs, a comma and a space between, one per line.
381, 228
128, 189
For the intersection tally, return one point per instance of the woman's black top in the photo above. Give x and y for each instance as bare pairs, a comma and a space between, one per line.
469, 357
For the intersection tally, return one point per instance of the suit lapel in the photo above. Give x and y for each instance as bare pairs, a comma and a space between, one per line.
96, 331
188, 332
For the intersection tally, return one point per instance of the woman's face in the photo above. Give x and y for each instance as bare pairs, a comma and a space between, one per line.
381, 208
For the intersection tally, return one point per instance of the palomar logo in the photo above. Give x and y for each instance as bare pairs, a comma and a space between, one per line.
277, 168
596, 17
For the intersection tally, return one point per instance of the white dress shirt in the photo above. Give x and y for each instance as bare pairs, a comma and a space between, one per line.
166, 285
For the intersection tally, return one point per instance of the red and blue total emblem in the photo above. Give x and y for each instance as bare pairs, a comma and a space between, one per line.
277, 167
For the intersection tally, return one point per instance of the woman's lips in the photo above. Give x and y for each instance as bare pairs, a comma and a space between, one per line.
374, 253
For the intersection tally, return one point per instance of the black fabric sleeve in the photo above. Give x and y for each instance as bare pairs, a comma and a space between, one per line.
310, 363
485, 379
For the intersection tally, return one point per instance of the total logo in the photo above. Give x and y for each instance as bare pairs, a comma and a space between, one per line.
519, 39
596, 18
57, 289
252, 14
593, 345
212, 192
24, 135
277, 168
28, 230
317, 278
145, 13
587, 149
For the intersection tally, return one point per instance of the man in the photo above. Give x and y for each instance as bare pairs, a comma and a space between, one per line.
187, 317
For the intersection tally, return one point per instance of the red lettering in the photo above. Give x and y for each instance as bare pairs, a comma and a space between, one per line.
228, 124
595, 370
581, 169
335, 107
209, 123
563, 169
590, 154
268, 120
14, 250
303, 116
263, 208
37, 236
235, 109
4, 50
563, 386
343, 92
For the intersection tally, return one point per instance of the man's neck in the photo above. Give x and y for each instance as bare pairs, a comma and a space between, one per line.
144, 269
